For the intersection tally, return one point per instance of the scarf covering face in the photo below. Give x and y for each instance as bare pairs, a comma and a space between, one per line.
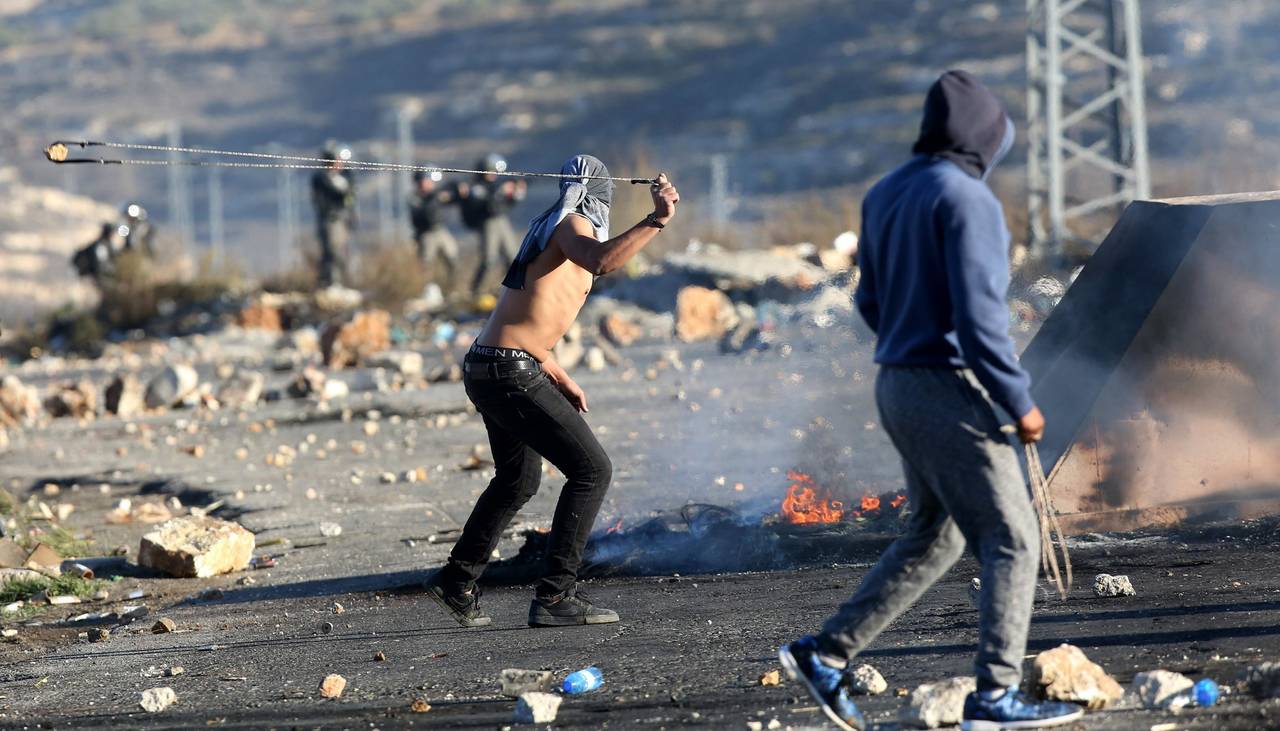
588, 198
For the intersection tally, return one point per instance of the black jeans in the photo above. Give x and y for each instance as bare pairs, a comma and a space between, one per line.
527, 419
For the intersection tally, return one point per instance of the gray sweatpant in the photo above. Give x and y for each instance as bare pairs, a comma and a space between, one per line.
964, 484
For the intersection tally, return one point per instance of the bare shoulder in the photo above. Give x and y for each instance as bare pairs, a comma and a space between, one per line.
573, 226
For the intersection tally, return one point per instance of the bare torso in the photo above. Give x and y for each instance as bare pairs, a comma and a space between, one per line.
536, 317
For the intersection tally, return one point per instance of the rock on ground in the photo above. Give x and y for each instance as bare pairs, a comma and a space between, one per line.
259, 315
77, 400
1263, 681
171, 386
308, 383
333, 685
537, 708
243, 388
703, 314
1158, 688
1106, 585
125, 397
407, 363
516, 682
1066, 674
196, 547
937, 704
864, 679
19, 403
155, 700
351, 343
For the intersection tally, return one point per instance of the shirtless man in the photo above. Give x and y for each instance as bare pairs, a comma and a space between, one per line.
531, 407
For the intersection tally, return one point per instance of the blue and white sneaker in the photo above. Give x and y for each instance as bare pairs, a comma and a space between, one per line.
1015, 710
826, 684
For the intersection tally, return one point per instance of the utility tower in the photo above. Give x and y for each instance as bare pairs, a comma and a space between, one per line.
1088, 121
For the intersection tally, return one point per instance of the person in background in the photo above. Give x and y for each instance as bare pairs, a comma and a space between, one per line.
333, 196
485, 204
426, 215
934, 261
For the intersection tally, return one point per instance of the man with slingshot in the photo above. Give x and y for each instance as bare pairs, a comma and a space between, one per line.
532, 409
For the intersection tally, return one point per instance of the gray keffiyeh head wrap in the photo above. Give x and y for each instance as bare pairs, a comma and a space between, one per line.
590, 198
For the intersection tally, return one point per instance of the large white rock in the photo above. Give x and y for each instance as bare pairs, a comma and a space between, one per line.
243, 388
124, 397
155, 700
1106, 585
1066, 674
537, 708
938, 704
171, 386
864, 679
196, 547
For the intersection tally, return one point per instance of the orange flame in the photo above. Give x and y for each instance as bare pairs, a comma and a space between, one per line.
803, 506
897, 501
869, 503
616, 527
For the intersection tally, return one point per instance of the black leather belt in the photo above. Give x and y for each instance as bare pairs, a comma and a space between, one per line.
501, 369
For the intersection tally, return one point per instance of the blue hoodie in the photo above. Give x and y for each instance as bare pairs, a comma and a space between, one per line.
934, 252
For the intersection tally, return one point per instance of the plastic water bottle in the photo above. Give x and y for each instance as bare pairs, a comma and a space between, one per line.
585, 681
1205, 693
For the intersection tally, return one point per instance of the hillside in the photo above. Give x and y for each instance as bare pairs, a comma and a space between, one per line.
798, 96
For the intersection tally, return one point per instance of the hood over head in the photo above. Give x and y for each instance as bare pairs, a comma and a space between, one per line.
587, 197
966, 124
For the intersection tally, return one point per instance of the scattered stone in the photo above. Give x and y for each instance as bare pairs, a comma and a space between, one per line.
309, 383
1158, 688
335, 389
419, 705
618, 330
259, 315
98, 634
332, 686
156, 700
379, 656
19, 403
1263, 681
8, 633
243, 388
163, 626
975, 593
338, 608
516, 682
937, 704
76, 400
197, 547
771, 677
388, 478
703, 314
537, 708
351, 343
330, 530
1106, 585
407, 363
171, 386
595, 360
866, 680
1066, 674
170, 672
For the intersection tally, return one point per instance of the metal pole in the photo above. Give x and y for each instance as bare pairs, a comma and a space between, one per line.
719, 193
217, 241
179, 192
1036, 184
1137, 99
1053, 127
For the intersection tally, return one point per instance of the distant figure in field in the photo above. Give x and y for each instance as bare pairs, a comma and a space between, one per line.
333, 195
485, 204
426, 215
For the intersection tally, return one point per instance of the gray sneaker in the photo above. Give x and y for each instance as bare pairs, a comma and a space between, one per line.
571, 609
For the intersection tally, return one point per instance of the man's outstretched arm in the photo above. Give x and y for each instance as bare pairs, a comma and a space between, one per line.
576, 238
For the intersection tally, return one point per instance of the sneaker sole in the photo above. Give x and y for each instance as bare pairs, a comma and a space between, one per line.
553, 621
464, 621
1015, 725
793, 671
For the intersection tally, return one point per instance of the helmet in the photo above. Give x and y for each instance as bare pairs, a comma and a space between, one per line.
332, 151
134, 211
494, 162
421, 175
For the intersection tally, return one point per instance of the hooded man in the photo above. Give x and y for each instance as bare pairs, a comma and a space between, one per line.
532, 408
935, 273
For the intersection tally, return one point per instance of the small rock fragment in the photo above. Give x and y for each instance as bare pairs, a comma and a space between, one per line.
866, 680
330, 530
1158, 688
419, 705
537, 708
163, 626
171, 386
516, 682
975, 592
156, 700
1263, 681
98, 634
1066, 674
379, 656
771, 677
332, 686
937, 704
1106, 585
